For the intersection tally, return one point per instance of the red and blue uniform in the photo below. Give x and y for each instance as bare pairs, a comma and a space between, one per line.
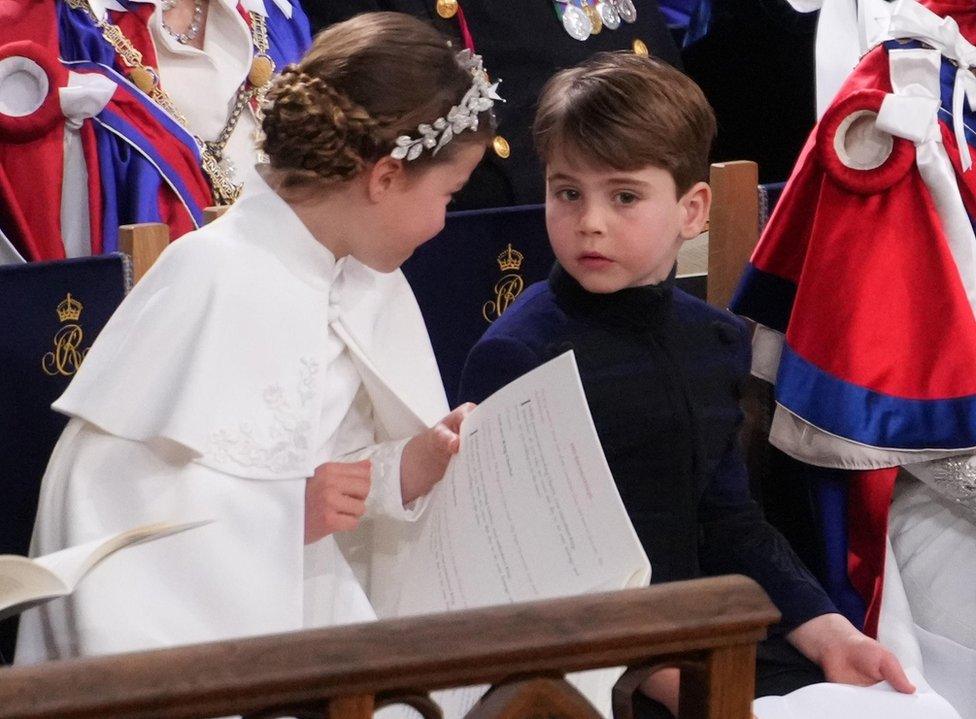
866, 273
141, 164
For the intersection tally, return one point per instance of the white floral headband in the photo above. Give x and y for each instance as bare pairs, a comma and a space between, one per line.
463, 116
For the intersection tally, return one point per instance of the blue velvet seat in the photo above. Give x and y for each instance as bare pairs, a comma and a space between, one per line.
468, 275
50, 313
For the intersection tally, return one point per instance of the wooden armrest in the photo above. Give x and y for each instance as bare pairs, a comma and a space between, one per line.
338, 671
143, 243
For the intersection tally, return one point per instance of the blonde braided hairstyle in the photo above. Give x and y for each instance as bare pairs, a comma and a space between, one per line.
363, 83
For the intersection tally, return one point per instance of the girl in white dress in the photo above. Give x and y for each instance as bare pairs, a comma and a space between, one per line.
268, 373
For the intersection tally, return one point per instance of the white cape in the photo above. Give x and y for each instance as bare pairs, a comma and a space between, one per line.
202, 399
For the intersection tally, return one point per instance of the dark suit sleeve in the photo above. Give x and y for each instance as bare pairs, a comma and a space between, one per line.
491, 364
736, 539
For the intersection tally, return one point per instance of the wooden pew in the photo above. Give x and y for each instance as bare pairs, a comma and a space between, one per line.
733, 227
145, 242
708, 627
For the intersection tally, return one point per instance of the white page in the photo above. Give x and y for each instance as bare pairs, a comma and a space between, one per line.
23, 584
26, 582
73, 563
841, 701
528, 510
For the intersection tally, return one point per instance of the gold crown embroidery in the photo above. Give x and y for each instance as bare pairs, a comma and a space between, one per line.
67, 355
510, 260
508, 287
69, 309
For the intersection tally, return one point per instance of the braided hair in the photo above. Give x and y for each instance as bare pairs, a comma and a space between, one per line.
363, 83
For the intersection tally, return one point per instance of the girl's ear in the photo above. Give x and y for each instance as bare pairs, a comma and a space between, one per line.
384, 175
695, 205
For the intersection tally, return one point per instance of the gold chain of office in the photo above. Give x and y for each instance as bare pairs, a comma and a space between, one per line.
147, 80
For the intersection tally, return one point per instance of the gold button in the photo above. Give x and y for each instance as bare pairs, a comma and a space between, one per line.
501, 147
447, 8
640, 48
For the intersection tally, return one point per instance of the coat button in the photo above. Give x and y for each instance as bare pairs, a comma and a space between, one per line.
640, 48
501, 147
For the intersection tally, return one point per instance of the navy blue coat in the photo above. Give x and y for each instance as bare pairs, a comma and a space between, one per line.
662, 372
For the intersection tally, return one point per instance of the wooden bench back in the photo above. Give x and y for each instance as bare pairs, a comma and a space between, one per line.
733, 228
708, 627
145, 242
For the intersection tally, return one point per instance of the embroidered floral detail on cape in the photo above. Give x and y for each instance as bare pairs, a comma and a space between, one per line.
281, 444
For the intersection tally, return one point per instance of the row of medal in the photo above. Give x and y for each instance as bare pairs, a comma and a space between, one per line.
582, 18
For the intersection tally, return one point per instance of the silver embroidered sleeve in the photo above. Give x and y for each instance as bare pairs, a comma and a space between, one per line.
954, 478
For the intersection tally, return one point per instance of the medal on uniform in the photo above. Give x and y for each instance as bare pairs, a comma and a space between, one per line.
596, 22
143, 78
262, 70
627, 10
575, 21
447, 8
608, 13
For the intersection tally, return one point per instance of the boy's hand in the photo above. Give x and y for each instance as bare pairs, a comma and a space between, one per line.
335, 498
426, 456
846, 655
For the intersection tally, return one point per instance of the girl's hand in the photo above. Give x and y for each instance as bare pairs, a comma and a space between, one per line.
846, 655
425, 457
335, 498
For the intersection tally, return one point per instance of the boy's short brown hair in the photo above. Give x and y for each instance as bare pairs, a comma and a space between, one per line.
625, 111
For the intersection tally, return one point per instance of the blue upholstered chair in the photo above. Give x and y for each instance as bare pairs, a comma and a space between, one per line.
471, 272
50, 313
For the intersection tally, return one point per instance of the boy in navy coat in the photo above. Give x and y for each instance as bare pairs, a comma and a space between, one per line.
625, 141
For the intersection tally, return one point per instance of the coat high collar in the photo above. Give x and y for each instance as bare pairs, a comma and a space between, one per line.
638, 308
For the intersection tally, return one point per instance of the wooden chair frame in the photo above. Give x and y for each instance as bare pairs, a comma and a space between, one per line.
709, 627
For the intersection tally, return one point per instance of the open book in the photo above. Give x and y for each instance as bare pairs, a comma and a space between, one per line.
25, 582
527, 510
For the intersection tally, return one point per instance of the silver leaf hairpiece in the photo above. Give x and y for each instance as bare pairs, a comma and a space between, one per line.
481, 96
